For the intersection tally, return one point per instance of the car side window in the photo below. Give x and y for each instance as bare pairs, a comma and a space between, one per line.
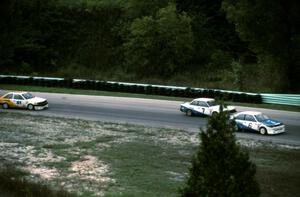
18, 97
194, 103
202, 104
240, 117
9, 96
250, 118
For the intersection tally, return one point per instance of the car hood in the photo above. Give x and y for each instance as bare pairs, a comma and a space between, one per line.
36, 100
184, 104
271, 122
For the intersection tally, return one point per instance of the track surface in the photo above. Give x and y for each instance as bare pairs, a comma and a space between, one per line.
156, 113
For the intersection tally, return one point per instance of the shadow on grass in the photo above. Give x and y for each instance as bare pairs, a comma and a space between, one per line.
14, 184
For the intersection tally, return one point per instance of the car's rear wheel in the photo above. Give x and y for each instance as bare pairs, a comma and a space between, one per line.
189, 112
263, 131
5, 106
30, 107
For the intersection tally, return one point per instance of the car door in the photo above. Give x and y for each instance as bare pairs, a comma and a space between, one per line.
203, 108
251, 122
19, 101
240, 121
194, 105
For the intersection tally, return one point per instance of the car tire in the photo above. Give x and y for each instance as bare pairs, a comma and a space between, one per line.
30, 107
5, 106
263, 131
189, 112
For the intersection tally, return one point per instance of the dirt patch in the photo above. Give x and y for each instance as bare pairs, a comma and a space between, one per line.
91, 171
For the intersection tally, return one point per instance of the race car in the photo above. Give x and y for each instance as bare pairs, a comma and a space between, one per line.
258, 122
22, 100
203, 106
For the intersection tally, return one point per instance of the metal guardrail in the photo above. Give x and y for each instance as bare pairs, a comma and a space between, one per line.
283, 99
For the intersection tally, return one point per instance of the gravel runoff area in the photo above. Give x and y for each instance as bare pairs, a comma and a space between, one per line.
67, 153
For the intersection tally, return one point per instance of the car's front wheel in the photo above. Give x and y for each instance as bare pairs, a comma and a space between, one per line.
5, 106
189, 112
30, 107
263, 131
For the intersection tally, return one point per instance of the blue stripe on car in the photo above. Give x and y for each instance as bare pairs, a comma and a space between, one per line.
243, 127
270, 122
194, 112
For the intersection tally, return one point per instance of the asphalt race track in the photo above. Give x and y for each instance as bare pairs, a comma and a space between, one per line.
156, 113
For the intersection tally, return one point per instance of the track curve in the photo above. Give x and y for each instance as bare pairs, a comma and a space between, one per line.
155, 113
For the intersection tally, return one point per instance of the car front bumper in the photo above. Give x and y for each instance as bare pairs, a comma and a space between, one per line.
37, 107
276, 130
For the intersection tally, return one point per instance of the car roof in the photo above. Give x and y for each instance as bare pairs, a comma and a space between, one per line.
250, 112
17, 92
204, 99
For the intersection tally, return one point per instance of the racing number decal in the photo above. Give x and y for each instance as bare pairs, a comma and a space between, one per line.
18, 102
203, 110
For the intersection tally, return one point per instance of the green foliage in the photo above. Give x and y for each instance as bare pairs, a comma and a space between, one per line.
13, 183
139, 8
159, 45
220, 60
213, 34
220, 167
183, 42
271, 27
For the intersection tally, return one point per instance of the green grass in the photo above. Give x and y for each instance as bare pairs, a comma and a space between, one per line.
277, 171
138, 161
122, 94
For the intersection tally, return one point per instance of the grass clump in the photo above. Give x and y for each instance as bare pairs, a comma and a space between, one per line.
13, 183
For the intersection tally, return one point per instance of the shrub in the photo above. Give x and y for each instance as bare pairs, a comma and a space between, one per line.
14, 183
219, 167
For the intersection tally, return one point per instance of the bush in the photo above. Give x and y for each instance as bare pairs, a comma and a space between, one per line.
13, 183
219, 167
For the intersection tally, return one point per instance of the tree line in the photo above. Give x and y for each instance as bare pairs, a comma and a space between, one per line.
238, 44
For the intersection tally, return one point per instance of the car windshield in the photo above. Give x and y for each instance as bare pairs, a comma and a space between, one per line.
211, 103
28, 95
261, 117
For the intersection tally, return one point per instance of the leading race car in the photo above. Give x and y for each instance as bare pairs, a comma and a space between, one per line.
203, 106
257, 121
22, 100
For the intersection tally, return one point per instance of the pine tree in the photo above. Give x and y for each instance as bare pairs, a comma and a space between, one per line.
220, 168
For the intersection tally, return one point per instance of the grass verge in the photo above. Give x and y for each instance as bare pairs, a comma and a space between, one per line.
122, 94
12, 183
92, 158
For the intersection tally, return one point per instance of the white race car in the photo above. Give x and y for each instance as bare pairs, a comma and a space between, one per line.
203, 106
257, 121
22, 100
